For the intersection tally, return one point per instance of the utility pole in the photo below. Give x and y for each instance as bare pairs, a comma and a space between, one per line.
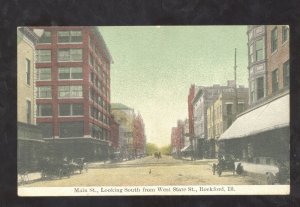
235, 85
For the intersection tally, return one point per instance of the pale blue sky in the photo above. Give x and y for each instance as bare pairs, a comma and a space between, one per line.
154, 67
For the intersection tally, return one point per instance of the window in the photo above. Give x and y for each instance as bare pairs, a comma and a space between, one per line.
43, 56
70, 55
71, 129
252, 91
251, 54
47, 129
28, 111
28, 71
275, 81
43, 74
91, 60
69, 91
91, 43
274, 38
259, 49
285, 33
229, 109
44, 110
44, 92
286, 73
92, 77
46, 37
260, 87
70, 73
70, 109
69, 36
241, 107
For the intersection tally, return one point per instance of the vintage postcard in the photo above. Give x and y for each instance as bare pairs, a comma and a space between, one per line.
153, 110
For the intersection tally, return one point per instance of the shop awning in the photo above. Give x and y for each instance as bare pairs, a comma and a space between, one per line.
186, 148
272, 115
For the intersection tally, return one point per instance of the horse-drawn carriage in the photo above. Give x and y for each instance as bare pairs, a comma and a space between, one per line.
227, 163
56, 168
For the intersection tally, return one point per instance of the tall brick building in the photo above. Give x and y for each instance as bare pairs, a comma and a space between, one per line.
73, 90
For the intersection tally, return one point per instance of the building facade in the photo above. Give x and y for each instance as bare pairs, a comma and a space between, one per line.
114, 135
178, 139
257, 63
278, 53
203, 99
268, 61
73, 91
222, 113
30, 143
124, 116
139, 137
265, 138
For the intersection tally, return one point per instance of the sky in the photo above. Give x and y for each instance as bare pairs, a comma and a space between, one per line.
154, 67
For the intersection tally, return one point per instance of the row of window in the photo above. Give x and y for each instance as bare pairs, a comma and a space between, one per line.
257, 86
66, 129
62, 37
64, 73
63, 55
286, 77
73, 129
257, 49
67, 109
274, 37
64, 109
63, 91
96, 114
98, 99
98, 133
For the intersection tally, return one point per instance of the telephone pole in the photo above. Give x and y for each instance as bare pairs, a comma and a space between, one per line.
235, 85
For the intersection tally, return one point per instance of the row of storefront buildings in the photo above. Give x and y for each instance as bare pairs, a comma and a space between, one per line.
250, 123
64, 106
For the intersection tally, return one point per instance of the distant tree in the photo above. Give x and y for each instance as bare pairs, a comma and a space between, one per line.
166, 150
151, 148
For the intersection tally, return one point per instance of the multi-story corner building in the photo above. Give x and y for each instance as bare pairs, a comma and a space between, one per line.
73, 90
265, 138
139, 138
124, 116
278, 63
30, 141
222, 113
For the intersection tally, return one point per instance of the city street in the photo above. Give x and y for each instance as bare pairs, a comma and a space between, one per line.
149, 171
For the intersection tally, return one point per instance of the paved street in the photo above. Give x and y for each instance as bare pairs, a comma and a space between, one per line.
149, 171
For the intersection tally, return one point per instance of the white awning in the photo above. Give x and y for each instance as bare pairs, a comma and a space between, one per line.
186, 148
272, 115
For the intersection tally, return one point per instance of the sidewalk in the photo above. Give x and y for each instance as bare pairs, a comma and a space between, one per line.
28, 178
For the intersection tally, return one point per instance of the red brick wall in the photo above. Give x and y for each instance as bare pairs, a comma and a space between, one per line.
86, 68
277, 58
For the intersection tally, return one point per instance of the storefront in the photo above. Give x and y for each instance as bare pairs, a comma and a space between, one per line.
260, 135
88, 148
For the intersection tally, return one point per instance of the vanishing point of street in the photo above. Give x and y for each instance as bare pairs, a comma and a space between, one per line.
149, 171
